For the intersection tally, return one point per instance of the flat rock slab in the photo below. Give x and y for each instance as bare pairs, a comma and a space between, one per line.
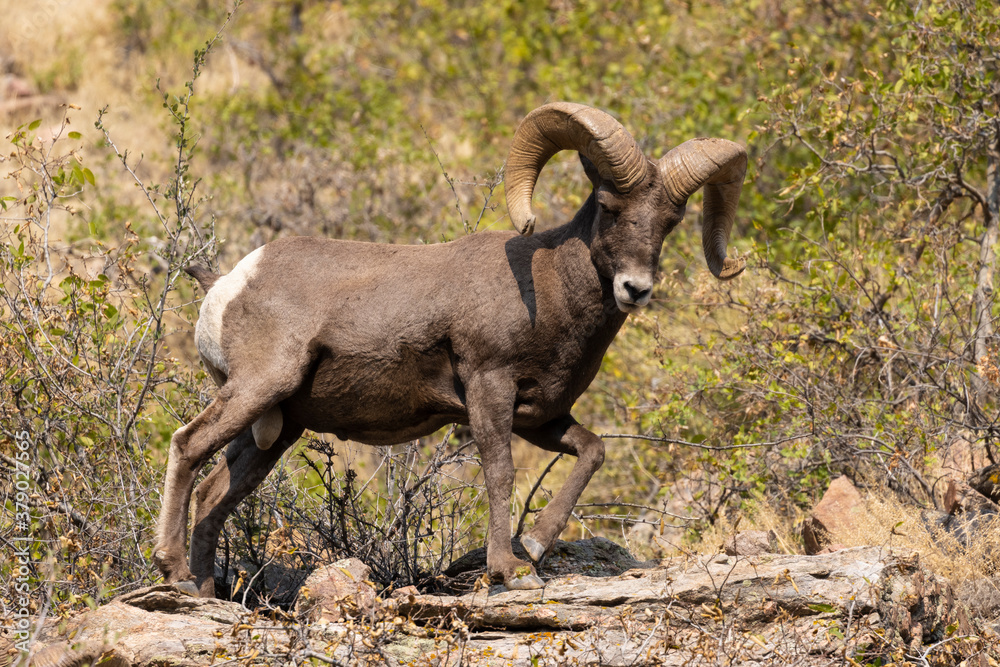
763, 585
677, 613
150, 626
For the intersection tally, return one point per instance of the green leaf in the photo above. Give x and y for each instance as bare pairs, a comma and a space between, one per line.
75, 135
35, 124
822, 608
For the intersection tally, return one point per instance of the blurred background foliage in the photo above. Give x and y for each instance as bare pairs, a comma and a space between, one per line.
860, 339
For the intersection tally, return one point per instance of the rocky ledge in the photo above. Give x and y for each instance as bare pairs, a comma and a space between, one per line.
767, 608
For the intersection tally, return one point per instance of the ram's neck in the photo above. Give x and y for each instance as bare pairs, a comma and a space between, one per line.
580, 228
588, 298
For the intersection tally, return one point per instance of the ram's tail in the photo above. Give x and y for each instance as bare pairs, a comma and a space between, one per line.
205, 277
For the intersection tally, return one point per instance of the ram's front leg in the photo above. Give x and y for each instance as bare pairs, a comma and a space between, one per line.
562, 435
491, 412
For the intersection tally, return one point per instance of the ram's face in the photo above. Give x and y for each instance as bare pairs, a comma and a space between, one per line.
628, 234
638, 201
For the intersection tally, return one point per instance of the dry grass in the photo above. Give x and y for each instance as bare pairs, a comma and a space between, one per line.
758, 515
886, 520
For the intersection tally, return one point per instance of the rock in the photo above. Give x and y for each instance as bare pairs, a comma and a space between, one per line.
405, 591
17, 94
12, 87
934, 520
150, 626
981, 598
970, 514
971, 517
165, 598
77, 655
751, 543
962, 498
335, 591
278, 584
987, 482
596, 557
836, 511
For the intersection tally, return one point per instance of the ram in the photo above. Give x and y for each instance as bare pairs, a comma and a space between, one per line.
381, 344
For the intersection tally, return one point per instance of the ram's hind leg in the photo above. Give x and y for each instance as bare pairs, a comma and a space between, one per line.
234, 410
567, 436
239, 471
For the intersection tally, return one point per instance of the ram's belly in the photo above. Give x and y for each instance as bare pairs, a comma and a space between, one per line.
379, 400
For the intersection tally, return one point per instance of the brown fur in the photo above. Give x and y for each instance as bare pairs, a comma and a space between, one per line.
382, 344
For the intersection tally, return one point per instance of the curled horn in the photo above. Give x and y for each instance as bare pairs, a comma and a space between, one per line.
720, 167
566, 126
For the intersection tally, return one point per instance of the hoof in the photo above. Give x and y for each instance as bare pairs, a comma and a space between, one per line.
527, 582
173, 567
534, 548
187, 587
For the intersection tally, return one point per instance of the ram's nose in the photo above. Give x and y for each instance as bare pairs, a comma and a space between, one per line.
632, 292
638, 293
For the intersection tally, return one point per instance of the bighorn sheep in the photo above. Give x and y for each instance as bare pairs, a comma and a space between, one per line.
384, 343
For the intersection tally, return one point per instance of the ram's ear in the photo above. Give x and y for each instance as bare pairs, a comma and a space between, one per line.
591, 170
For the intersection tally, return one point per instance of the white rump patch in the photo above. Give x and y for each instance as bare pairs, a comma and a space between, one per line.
267, 429
208, 331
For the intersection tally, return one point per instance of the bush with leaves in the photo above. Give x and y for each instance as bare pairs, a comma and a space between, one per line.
863, 339
86, 381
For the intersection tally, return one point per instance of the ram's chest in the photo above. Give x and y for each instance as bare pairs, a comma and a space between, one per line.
554, 376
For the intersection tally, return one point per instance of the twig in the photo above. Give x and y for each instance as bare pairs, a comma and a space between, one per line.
652, 633
78, 519
645, 508
324, 658
617, 517
451, 182
527, 501
923, 657
701, 445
